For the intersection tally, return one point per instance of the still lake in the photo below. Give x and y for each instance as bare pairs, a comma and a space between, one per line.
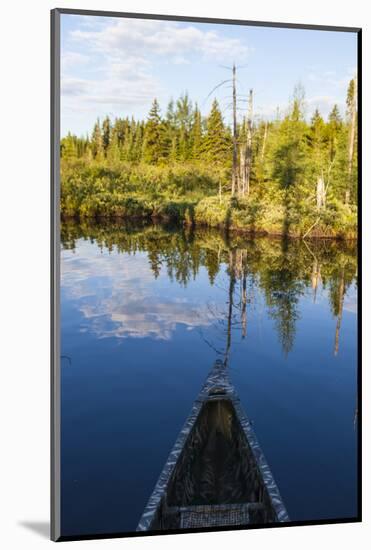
144, 311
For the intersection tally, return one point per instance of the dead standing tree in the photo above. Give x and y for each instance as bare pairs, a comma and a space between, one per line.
320, 192
352, 134
235, 180
246, 150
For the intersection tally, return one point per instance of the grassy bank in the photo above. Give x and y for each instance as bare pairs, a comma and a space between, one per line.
190, 194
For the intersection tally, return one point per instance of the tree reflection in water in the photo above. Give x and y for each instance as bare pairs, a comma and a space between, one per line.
282, 271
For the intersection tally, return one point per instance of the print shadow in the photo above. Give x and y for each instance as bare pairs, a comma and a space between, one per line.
41, 528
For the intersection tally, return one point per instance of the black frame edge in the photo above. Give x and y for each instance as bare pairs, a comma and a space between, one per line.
55, 493
195, 19
359, 261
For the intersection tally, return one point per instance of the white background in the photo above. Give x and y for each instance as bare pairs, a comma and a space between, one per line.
24, 256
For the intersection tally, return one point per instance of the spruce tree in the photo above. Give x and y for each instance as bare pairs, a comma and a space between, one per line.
154, 138
334, 128
97, 142
196, 135
170, 114
183, 123
216, 145
317, 139
113, 150
290, 149
106, 134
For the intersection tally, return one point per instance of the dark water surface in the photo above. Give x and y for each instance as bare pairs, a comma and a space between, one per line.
144, 316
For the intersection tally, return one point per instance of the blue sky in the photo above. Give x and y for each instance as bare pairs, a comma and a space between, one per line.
117, 66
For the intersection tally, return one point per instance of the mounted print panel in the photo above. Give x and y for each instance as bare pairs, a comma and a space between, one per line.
205, 188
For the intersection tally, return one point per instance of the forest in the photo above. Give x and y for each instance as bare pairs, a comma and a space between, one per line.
294, 175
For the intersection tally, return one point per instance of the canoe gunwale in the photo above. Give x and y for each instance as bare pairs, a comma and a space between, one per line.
216, 387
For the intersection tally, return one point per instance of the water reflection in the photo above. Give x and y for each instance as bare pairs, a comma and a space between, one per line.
147, 309
119, 298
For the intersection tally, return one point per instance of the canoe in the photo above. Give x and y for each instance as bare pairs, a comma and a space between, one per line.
216, 474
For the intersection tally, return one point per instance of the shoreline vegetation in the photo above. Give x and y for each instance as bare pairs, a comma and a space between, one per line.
291, 176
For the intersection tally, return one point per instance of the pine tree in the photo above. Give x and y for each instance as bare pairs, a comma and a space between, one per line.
154, 145
106, 134
138, 131
318, 162
335, 124
196, 134
171, 132
216, 145
170, 114
97, 142
290, 149
183, 121
113, 150
317, 139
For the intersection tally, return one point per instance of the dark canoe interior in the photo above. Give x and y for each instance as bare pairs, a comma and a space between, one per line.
216, 480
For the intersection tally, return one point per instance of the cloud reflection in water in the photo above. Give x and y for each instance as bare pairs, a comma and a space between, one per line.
124, 301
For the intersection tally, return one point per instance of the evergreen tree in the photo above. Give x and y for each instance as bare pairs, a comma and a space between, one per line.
113, 151
97, 142
335, 124
69, 147
216, 145
196, 135
154, 145
106, 134
170, 114
290, 150
138, 131
317, 139
171, 132
183, 121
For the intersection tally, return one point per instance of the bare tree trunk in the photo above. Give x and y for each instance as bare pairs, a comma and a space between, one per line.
249, 143
234, 167
321, 193
246, 151
243, 166
340, 312
352, 132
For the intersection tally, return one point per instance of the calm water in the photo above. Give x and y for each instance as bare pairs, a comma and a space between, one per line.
145, 315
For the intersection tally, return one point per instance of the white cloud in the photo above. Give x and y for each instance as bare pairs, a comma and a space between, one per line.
324, 103
127, 37
72, 59
74, 86
83, 95
180, 60
120, 56
330, 79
